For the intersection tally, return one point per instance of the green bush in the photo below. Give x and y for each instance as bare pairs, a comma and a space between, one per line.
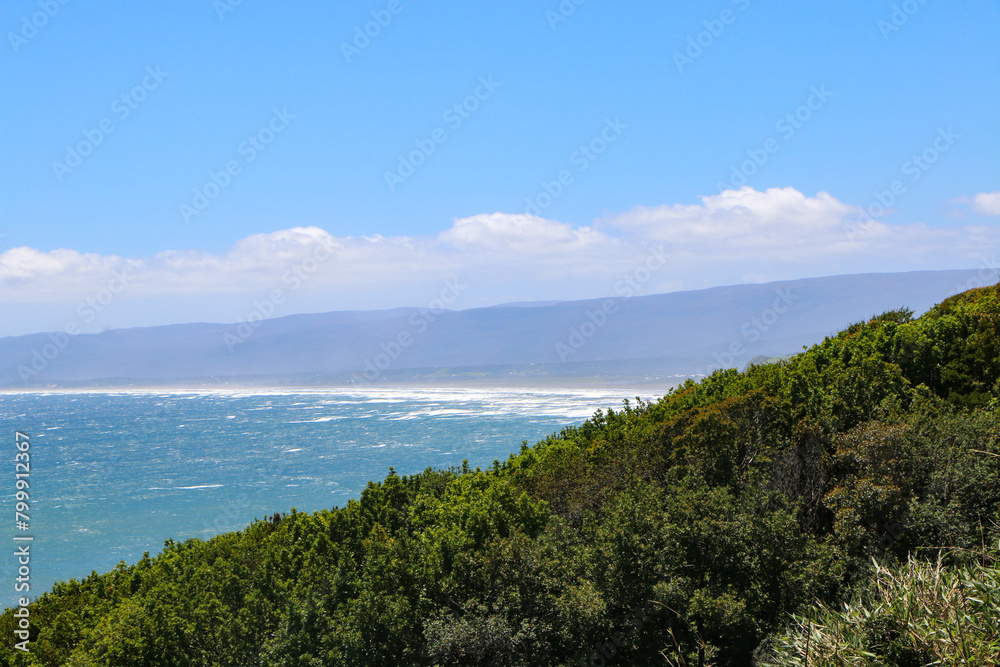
914, 615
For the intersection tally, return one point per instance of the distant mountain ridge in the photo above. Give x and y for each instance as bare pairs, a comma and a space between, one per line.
679, 333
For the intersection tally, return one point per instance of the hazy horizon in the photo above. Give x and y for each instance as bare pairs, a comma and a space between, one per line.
988, 272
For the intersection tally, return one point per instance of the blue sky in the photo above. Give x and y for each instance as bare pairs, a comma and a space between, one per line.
894, 78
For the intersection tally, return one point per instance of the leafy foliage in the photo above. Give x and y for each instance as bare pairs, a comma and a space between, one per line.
918, 614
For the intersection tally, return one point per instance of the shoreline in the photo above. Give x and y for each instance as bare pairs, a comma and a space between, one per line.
624, 387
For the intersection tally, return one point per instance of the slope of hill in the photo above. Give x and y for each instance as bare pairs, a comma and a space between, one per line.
685, 532
681, 333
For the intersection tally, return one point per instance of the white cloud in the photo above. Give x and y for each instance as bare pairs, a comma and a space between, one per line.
987, 203
779, 233
777, 221
739, 213
522, 234
784, 227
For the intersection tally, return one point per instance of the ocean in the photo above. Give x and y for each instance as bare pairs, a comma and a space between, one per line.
115, 473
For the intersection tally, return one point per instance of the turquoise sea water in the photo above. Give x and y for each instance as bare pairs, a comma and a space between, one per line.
113, 474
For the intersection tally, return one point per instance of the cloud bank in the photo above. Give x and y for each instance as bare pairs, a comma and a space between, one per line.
736, 236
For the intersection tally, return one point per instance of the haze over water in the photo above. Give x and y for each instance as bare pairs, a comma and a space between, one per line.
114, 474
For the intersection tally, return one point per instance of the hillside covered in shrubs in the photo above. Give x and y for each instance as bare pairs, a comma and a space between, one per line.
846, 499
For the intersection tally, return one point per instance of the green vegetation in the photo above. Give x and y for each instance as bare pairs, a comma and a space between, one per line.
841, 505
919, 614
